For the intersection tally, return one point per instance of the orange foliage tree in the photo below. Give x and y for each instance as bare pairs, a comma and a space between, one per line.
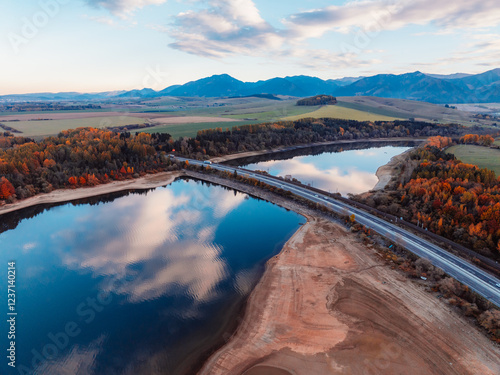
6, 189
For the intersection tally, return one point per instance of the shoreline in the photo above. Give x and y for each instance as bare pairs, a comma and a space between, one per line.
160, 179
66, 195
327, 304
312, 311
386, 172
222, 159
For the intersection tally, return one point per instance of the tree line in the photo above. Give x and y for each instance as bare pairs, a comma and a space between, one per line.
87, 156
317, 100
81, 157
453, 199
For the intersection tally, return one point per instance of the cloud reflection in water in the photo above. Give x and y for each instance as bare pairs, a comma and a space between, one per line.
344, 172
158, 244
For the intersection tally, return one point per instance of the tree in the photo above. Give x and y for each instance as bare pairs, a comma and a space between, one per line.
6, 189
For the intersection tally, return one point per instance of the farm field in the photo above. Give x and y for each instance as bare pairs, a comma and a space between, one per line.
191, 129
191, 119
52, 127
336, 111
69, 115
406, 109
274, 113
483, 157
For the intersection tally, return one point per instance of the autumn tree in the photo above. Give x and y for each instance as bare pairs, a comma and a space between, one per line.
6, 189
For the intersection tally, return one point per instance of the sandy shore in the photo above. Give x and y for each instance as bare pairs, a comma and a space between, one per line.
240, 155
386, 172
64, 195
328, 305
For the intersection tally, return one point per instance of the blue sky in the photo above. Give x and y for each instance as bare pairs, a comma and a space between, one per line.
101, 45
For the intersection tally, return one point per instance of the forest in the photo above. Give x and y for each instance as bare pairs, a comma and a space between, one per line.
218, 142
455, 200
87, 156
81, 157
317, 100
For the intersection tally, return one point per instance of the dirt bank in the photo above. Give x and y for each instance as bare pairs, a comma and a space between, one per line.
386, 172
289, 148
64, 195
328, 305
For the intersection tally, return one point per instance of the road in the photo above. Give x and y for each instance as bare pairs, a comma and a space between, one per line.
475, 278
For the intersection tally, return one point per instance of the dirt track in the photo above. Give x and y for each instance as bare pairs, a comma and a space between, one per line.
328, 305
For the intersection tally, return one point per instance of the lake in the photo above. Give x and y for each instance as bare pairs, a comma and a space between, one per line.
135, 283
347, 168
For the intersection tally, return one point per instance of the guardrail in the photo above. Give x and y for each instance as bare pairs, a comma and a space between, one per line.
487, 263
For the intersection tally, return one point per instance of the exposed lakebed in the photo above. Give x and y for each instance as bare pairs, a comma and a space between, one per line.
151, 281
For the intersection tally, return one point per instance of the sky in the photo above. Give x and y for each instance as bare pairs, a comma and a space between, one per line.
106, 45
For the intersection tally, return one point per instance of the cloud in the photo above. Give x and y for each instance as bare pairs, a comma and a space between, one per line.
392, 15
104, 20
323, 59
29, 246
481, 49
236, 27
226, 27
123, 8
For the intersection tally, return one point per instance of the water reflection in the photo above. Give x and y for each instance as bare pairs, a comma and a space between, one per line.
151, 280
334, 169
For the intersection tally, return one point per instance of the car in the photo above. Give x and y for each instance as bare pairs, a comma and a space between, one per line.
316, 195
498, 285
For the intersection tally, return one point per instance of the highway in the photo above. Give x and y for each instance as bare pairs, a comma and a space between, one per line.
478, 280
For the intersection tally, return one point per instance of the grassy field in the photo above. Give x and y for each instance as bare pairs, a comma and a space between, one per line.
190, 130
411, 109
483, 157
383, 111
342, 112
51, 127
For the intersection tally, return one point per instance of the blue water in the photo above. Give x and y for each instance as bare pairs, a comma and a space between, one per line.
349, 171
143, 284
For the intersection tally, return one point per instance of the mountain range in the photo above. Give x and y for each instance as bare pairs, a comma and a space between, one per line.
433, 88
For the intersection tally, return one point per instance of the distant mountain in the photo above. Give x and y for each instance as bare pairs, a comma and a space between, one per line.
453, 88
413, 86
214, 86
345, 81
418, 86
448, 76
61, 96
276, 86
479, 80
144, 93
168, 90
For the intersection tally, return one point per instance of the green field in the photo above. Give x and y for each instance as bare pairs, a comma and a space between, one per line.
335, 111
383, 111
52, 127
190, 130
483, 157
